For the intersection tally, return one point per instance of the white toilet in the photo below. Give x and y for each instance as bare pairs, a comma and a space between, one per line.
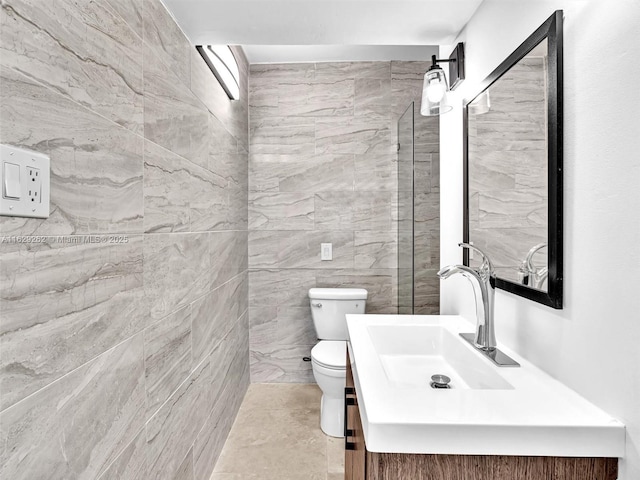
328, 357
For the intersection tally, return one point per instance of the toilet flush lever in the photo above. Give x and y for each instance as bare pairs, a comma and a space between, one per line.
317, 305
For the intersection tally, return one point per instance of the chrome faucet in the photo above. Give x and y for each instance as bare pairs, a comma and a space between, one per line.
529, 273
484, 286
483, 280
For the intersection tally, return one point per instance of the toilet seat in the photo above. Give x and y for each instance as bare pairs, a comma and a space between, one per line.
330, 354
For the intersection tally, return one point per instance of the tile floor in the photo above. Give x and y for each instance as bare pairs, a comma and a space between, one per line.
277, 436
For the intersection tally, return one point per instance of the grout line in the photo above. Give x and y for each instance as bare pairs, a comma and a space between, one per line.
75, 370
118, 125
184, 233
193, 370
140, 332
186, 380
117, 14
189, 304
116, 457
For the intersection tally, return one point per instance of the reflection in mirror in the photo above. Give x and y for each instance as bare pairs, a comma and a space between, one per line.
508, 190
513, 168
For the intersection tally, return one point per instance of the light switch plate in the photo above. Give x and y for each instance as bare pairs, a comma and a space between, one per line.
25, 181
326, 251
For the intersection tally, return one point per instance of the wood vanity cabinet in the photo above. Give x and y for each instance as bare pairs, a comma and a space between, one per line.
360, 464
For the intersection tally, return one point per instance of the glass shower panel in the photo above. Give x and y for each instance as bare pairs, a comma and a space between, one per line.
405, 211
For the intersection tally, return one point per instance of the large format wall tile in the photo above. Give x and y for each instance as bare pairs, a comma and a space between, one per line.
299, 249
353, 210
284, 135
96, 172
301, 173
222, 141
62, 305
353, 135
219, 203
214, 315
172, 430
337, 184
170, 184
229, 359
146, 244
281, 325
281, 211
229, 382
130, 11
98, 57
228, 256
321, 98
281, 364
273, 74
280, 287
176, 271
163, 37
167, 357
375, 172
379, 70
372, 97
75, 427
173, 117
131, 464
185, 470
375, 249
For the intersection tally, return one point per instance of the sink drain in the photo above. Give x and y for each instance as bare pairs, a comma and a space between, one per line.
440, 381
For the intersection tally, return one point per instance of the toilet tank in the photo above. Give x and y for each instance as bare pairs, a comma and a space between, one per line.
329, 307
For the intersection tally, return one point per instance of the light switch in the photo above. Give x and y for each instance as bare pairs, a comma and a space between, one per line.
25, 181
11, 181
326, 251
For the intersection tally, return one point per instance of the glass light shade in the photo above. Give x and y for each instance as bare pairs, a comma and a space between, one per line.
480, 105
434, 93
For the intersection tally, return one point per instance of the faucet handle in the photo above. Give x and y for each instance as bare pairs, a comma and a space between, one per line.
528, 261
486, 266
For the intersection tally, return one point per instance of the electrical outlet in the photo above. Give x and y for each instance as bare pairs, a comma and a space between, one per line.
34, 185
25, 183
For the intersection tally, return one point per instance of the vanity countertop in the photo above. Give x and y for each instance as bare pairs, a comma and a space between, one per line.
525, 411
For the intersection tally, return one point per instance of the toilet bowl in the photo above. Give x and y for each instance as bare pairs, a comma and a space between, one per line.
328, 358
328, 361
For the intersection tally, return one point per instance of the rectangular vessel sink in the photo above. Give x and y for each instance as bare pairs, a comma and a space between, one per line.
411, 354
488, 410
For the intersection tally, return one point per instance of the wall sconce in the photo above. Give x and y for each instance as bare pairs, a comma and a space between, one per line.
435, 88
223, 64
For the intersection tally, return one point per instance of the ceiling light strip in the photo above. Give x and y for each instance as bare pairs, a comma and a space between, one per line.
223, 64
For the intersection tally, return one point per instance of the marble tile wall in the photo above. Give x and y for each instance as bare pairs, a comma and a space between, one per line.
323, 168
127, 357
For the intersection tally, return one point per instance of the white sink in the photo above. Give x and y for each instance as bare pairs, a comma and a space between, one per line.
411, 354
488, 411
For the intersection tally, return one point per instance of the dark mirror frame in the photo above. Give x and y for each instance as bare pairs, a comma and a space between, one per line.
551, 29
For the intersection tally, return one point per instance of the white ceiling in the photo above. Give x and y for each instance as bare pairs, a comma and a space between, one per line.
331, 30
337, 53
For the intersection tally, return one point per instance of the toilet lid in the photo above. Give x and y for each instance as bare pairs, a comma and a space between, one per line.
330, 354
337, 294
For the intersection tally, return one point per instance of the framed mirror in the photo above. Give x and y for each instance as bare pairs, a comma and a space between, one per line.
513, 168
